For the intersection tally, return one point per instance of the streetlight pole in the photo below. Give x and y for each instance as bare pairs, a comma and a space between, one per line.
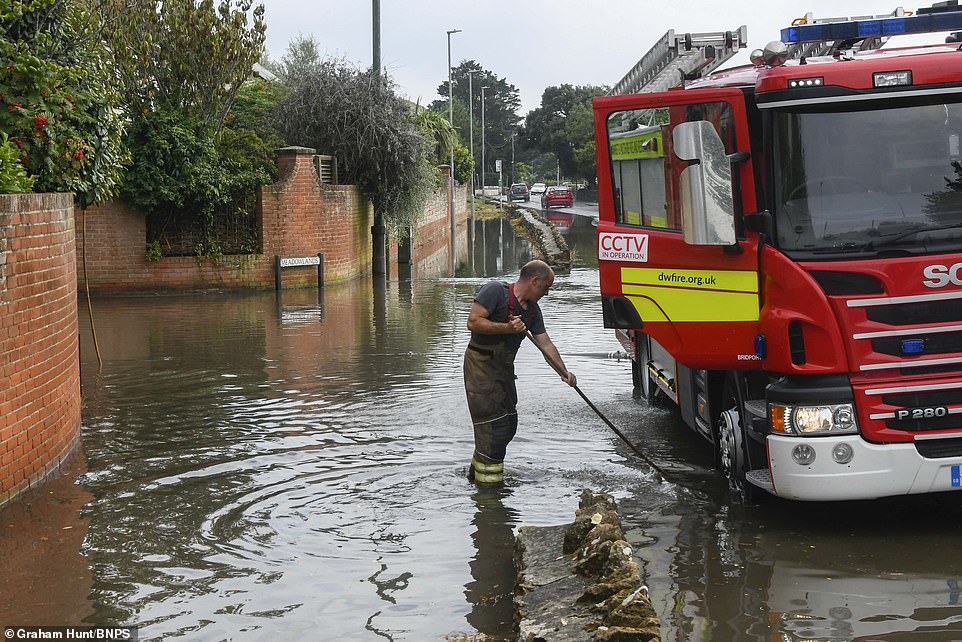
471, 135
378, 249
513, 134
482, 141
376, 15
454, 224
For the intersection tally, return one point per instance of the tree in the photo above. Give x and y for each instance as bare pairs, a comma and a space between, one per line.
13, 176
337, 109
563, 125
463, 164
60, 104
183, 65
524, 173
436, 129
184, 55
501, 104
579, 130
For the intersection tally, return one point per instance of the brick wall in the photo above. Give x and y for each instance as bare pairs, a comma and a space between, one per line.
297, 216
39, 359
431, 254
301, 217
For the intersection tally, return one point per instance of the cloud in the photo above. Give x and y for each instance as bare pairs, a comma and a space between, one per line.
533, 44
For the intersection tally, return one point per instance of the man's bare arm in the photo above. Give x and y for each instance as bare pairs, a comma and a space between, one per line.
553, 357
479, 322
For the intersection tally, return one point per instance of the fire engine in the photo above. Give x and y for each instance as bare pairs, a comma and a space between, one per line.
780, 250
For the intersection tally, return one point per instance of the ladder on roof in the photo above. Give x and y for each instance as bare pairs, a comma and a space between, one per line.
677, 58
828, 47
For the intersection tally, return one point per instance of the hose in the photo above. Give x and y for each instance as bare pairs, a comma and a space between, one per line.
662, 476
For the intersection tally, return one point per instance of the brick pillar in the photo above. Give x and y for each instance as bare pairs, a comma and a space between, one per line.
39, 349
287, 158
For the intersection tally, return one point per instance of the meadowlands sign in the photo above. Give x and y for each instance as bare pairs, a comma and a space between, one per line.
281, 262
297, 261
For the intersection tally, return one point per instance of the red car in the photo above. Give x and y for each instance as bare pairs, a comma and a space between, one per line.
557, 197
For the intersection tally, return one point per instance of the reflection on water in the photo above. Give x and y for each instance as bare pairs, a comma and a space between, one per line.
44, 578
492, 568
262, 470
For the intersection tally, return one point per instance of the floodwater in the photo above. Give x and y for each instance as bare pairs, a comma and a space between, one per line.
261, 470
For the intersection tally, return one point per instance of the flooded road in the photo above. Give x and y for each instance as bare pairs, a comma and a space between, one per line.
255, 470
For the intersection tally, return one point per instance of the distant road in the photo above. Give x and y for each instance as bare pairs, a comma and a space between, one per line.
581, 208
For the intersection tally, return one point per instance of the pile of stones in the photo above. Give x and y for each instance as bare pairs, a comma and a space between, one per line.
580, 581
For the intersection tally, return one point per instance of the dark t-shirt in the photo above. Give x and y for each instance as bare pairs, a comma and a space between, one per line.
493, 295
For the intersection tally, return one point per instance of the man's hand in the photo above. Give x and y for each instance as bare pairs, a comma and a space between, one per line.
570, 378
517, 325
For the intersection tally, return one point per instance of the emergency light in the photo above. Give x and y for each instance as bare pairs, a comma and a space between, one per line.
872, 28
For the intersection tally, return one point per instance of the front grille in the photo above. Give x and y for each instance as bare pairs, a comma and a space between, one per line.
927, 370
917, 313
929, 398
941, 343
922, 425
940, 448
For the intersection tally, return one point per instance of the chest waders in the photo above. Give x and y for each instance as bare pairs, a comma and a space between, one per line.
492, 398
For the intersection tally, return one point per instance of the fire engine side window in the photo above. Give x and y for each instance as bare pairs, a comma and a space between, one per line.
644, 170
638, 166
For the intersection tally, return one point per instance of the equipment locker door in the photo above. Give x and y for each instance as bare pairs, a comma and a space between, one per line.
701, 302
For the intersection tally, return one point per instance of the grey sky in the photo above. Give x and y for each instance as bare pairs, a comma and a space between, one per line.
532, 43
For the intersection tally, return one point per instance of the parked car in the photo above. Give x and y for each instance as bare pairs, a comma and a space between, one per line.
538, 188
557, 197
518, 192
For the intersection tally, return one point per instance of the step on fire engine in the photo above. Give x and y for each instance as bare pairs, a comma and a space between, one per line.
780, 250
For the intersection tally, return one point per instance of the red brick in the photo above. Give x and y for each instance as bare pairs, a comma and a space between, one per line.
39, 360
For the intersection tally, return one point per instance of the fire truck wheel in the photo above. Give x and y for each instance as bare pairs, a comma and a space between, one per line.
640, 377
731, 452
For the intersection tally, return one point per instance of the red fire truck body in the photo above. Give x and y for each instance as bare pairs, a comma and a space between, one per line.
780, 250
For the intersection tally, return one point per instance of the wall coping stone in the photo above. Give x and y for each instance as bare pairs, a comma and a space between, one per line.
295, 150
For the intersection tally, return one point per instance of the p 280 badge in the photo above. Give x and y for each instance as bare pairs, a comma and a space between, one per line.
926, 412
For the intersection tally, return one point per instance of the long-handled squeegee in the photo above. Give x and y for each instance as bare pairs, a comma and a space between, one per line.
644, 457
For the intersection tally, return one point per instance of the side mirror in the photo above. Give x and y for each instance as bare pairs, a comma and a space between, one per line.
707, 210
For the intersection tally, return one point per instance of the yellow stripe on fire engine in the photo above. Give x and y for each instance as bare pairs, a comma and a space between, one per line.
692, 295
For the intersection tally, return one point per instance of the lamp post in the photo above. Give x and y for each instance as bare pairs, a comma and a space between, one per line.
482, 142
471, 135
376, 16
454, 224
378, 250
513, 134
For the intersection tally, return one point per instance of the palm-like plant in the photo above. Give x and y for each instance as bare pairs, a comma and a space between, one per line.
437, 131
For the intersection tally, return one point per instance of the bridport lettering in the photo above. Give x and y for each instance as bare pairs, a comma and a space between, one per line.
623, 247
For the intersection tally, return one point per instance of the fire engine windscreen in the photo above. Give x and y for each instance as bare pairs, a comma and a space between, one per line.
868, 180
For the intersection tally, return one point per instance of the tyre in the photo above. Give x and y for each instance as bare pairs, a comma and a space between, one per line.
641, 378
731, 444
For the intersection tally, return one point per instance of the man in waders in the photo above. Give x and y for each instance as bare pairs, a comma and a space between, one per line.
501, 315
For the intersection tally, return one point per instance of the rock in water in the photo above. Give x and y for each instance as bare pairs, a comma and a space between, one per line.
580, 582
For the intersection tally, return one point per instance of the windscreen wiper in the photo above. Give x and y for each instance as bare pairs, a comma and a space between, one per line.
892, 240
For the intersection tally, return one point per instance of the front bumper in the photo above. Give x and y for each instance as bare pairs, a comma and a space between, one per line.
876, 470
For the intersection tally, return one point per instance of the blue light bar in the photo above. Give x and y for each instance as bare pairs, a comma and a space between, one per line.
872, 28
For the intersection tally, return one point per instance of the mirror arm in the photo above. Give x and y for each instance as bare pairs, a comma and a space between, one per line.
734, 249
760, 222
739, 157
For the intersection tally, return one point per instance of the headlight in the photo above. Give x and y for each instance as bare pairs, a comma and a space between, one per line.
829, 419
